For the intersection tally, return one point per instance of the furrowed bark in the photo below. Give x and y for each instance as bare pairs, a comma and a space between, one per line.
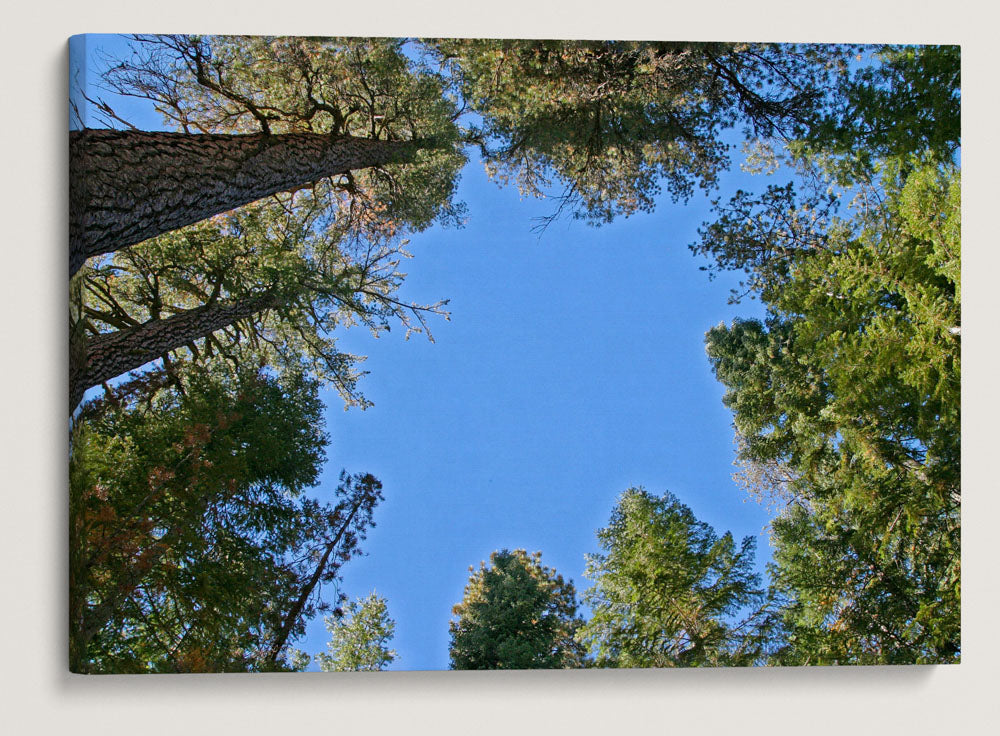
112, 354
127, 186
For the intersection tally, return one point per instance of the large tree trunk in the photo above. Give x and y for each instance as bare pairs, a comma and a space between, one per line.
112, 354
127, 186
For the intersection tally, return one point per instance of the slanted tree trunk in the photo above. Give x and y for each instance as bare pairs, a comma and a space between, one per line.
288, 622
127, 186
112, 354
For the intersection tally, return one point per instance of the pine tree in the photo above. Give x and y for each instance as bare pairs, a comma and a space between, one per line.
255, 116
177, 179
846, 398
359, 637
192, 545
364, 141
667, 590
613, 121
515, 614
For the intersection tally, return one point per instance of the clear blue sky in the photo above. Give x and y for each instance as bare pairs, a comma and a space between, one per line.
573, 367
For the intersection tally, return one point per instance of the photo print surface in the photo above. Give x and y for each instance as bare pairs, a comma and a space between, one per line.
421, 354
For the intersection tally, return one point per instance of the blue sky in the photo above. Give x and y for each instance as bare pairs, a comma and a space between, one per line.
572, 368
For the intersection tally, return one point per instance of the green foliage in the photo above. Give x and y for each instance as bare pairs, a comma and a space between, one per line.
666, 589
364, 87
612, 120
359, 637
322, 278
859, 592
858, 364
906, 102
329, 254
189, 533
515, 614
846, 399
192, 547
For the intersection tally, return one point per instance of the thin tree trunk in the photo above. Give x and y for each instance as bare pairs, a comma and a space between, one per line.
112, 354
292, 616
127, 186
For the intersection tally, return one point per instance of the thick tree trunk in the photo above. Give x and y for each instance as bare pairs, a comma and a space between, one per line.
127, 186
106, 356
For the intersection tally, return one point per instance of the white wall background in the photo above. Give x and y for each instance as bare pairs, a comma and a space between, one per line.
38, 694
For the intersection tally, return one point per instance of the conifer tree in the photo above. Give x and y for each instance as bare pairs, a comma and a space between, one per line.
668, 592
359, 637
846, 398
365, 141
515, 614
192, 544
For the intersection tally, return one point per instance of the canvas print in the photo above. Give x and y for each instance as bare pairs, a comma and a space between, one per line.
411, 354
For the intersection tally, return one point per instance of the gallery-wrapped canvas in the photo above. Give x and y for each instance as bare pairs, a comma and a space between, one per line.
620, 289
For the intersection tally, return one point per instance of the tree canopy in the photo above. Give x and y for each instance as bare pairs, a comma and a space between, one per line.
359, 637
275, 278
265, 285
515, 614
192, 544
362, 88
219, 260
648, 113
846, 399
667, 591
612, 121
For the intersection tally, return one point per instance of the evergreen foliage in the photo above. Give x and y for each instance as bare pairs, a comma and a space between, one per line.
359, 637
515, 614
612, 121
327, 255
846, 399
193, 544
190, 534
667, 590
